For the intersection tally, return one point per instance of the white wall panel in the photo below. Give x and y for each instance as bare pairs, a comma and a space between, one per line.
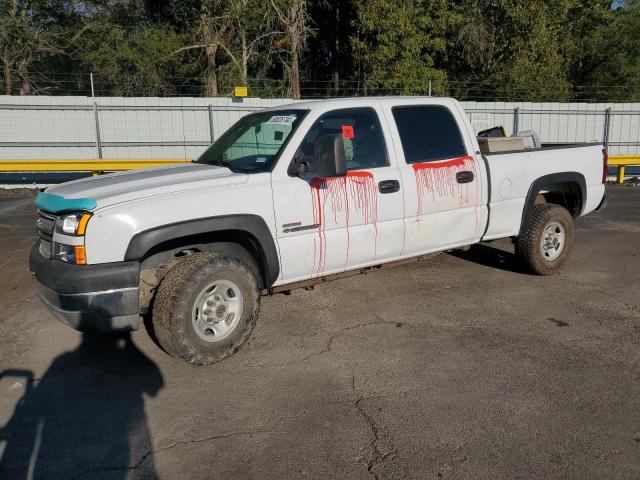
182, 125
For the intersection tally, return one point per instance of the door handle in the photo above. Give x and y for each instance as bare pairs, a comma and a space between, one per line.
464, 177
389, 186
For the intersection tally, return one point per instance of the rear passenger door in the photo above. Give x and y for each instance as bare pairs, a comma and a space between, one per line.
441, 179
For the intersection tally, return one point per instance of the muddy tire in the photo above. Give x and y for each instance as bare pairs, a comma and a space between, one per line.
205, 308
547, 239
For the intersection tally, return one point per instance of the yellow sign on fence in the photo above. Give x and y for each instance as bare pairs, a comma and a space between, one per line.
240, 91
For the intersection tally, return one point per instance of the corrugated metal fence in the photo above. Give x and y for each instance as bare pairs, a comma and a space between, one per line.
42, 128
115, 127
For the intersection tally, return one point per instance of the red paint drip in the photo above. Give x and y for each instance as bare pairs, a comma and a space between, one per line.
357, 190
439, 179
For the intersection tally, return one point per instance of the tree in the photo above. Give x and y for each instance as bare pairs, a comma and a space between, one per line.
230, 32
295, 24
27, 35
253, 22
511, 49
328, 60
603, 47
140, 62
471, 49
396, 44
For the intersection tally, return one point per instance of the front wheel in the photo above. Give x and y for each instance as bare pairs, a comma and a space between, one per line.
206, 308
547, 239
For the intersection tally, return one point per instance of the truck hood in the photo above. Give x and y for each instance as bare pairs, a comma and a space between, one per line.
106, 190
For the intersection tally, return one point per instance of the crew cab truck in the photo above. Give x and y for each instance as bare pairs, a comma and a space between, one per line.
291, 196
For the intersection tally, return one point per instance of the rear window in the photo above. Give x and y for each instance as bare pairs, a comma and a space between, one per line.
428, 133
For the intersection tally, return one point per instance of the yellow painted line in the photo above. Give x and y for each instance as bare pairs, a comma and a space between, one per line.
85, 165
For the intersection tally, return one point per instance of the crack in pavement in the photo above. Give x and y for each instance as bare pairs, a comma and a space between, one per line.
143, 458
329, 345
376, 457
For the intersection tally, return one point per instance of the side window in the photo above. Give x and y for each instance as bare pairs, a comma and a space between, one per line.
361, 134
428, 133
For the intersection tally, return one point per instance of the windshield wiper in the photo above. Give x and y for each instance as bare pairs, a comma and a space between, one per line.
246, 169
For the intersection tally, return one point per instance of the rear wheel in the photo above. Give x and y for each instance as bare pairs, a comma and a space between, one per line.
206, 308
547, 239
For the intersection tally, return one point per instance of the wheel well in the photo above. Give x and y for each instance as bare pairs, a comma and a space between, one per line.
155, 264
565, 194
567, 189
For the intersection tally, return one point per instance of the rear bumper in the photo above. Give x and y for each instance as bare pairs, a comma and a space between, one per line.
603, 202
90, 298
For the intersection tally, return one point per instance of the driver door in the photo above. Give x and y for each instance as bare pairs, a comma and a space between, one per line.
327, 226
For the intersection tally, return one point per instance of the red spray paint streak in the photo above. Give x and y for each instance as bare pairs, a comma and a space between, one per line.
439, 179
357, 190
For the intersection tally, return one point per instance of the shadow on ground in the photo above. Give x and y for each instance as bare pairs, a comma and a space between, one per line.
85, 417
491, 256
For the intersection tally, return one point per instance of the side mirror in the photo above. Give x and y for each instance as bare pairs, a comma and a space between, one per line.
330, 158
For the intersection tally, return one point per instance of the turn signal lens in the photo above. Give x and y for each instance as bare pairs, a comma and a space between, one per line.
80, 254
82, 224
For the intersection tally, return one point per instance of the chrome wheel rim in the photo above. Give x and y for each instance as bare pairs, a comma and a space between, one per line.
552, 241
217, 311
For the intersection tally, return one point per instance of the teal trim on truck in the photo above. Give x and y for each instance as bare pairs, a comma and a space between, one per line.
57, 204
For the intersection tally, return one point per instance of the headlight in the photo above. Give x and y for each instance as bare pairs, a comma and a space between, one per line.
72, 224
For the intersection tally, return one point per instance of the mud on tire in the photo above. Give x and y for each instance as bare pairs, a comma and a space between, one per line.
173, 309
529, 244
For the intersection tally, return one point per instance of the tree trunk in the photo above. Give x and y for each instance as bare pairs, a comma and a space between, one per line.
245, 57
8, 80
294, 74
336, 53
25, 86
211, 75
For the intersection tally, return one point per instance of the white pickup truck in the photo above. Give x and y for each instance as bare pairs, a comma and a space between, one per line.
293, 196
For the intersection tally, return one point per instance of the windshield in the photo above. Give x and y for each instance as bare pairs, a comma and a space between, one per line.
254, 142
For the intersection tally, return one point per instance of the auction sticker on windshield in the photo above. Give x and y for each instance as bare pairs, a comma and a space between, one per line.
282, 120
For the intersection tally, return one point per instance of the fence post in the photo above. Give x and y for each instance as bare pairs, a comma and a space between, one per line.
211, 133
516, 120
97, 120
429, 87
607, 128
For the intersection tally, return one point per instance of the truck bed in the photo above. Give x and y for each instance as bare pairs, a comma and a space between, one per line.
512, 174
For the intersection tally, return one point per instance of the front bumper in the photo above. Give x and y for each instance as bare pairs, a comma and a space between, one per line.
89, 298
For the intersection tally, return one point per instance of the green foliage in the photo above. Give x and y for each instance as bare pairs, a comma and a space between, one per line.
473, 49
534, 64
396, 44
608, 55
144, 59
511, 49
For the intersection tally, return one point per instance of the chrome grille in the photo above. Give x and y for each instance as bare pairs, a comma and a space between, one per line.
45, 223
45, 248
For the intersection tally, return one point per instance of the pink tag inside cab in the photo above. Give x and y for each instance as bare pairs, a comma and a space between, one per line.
347, 131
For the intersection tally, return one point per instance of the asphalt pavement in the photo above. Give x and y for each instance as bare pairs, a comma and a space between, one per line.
463, 366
